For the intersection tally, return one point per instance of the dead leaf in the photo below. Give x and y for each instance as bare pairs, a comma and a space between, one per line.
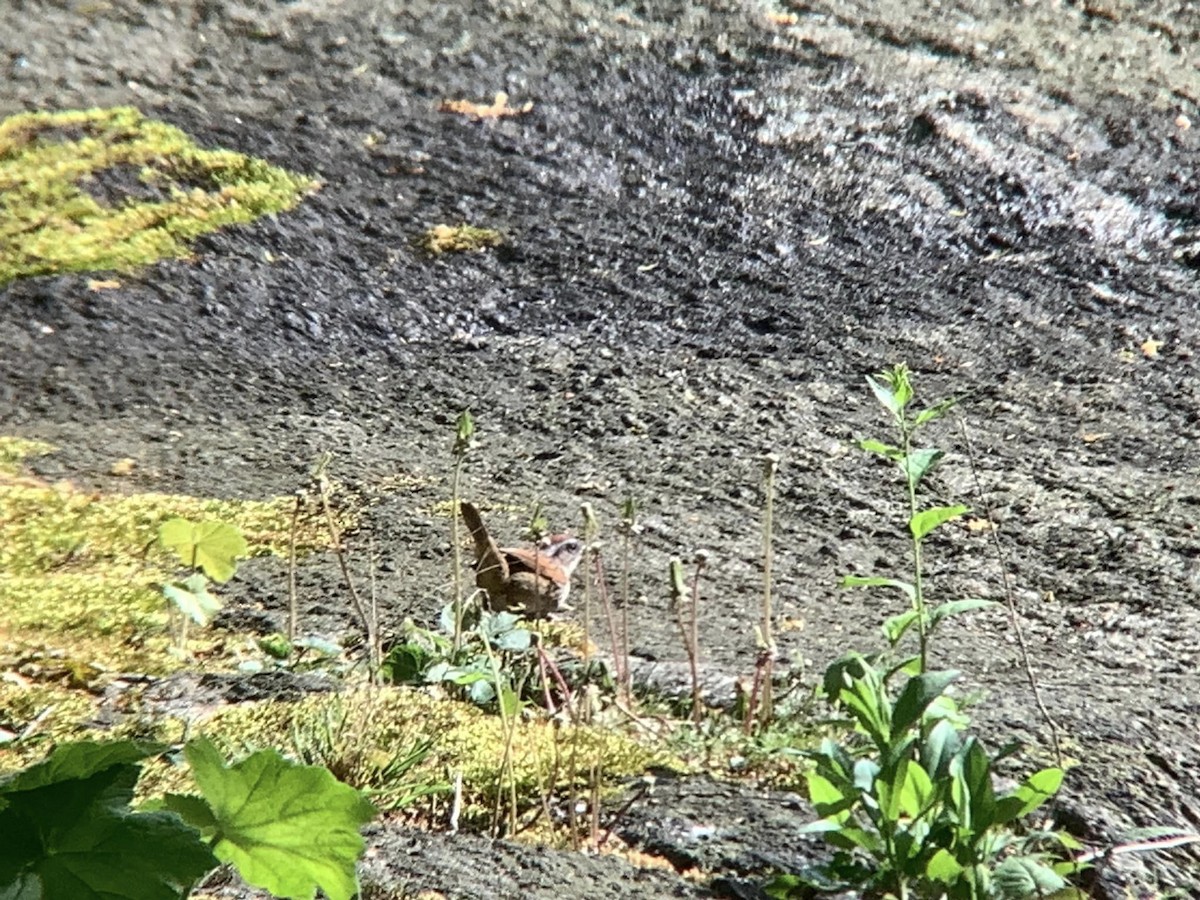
107, 285
1150, 348
1090, 437
775, 17
123, 466
976, 525
499, 108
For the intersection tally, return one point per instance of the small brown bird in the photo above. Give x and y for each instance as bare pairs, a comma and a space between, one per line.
536, 582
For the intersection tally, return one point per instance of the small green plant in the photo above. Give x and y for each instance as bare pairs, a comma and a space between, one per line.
910, 806
70, 830
894, 391
210, 549
486, 665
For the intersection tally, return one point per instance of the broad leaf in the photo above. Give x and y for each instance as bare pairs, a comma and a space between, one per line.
406, 664
79, 759
69, 832
193, 599
867, 701
865, 773
823, 793
978, 771
916, 696
1038, 788
925, 521
935, 412
913, 789
210, 546
289, 829
884, 393
878, 447
193, 810
917, 464
833, 756
516, 639
481, 690
939, 748
943, 867
851, 581
510, 702
895, 627
1025, 876
821, 826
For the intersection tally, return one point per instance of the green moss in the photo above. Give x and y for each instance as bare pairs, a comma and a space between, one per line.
459, 239
48, 710
107, 189
14, 450
80, 571
358, 733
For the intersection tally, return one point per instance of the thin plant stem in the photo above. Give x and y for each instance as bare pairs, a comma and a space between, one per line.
918, 567
1010, 599
620, 664
591, 529
463, 440
508, 724
686, 619
629, 525
694, 639
293, 602
767, 636
377, 646
356, 603
627, 679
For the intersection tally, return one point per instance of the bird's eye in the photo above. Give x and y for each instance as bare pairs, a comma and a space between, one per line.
571, 546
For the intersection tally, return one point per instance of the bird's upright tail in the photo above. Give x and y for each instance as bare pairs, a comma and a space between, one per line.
488, 556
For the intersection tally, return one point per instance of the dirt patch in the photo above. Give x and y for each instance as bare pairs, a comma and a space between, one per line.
715, 227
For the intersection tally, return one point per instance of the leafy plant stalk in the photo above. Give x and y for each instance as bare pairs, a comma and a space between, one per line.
209, 549
893, 389
909, 804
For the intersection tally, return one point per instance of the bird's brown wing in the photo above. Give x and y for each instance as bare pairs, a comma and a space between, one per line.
522, 560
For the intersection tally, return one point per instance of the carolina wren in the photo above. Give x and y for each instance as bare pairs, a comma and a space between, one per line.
534, 581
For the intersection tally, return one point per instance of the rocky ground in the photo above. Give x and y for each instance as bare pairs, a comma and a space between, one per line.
719, 218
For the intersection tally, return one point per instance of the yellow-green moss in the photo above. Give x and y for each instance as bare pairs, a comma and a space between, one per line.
80, 571
50, 222
14, 450
459, 239
53, 711
357, 733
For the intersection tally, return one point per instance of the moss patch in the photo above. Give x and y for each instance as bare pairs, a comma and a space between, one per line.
107, 189
80, 571
14, 450
459, 239
360, 733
